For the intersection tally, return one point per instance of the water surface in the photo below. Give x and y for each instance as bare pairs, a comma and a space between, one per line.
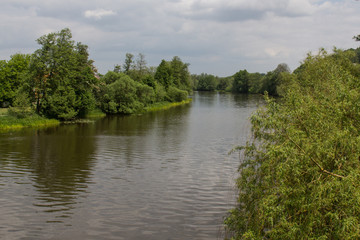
161, 175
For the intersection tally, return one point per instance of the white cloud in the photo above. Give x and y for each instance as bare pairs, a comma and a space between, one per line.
98, 13
214, 36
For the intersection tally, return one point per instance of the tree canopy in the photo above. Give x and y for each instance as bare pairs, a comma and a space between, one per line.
61, 77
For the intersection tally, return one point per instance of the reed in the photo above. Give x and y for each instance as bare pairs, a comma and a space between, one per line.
166, 105
10, 122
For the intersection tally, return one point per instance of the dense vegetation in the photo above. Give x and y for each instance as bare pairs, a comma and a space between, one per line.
59, 81
242, 81
300, 175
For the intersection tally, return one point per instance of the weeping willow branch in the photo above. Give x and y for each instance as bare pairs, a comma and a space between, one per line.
314, 161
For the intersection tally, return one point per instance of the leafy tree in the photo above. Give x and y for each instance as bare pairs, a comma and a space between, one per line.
206, 82
357, 38
61, 77
255, 84
225, 84
12, 74
163, 74
241, 82
180, 74
176, 95
129, 62
117, 68
273, 79
141, 65
124, 95
300, 175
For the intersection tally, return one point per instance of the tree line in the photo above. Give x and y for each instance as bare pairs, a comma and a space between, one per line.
60, 81
242, 81
300, 173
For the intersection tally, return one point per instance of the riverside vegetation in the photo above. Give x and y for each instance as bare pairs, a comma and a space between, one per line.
300, 174
59, 81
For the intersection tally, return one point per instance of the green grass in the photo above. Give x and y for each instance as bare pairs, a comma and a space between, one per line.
165, 105
3, 111
96, 113
10, 122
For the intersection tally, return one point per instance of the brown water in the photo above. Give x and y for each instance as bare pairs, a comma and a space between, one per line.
162, 175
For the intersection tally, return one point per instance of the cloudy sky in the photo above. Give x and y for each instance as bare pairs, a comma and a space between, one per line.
219, 37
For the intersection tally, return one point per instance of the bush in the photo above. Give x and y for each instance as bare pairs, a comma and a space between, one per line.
176, 95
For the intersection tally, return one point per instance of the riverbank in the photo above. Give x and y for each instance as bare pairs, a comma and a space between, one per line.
166, 105
8, 122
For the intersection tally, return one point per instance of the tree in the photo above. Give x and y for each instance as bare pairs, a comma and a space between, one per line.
163, 74
12, 74
241, 82
206, 82
180, 74
273, 79
123, 95
300, 175
141, 64
357, 38
117, 68
129, 62
61, 77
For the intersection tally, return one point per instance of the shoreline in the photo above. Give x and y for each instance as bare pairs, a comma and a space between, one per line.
8, 122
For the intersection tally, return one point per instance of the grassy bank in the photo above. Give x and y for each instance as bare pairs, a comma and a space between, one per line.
8, 122
96, 113
165, 105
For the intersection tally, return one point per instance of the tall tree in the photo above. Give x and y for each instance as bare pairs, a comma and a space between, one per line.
61, 76
241, 82
163, 74
129, 62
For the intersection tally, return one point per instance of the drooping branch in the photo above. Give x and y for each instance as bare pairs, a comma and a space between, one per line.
314, 161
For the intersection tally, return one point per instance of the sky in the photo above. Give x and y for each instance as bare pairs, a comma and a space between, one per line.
218, 37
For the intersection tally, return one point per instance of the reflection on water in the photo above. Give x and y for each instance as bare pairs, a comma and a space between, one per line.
162, 175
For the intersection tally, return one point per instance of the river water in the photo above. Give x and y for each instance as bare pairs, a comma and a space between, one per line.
162, 175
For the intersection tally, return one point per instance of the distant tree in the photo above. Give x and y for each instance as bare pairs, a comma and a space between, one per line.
117, 68
241, 82
123, 95
180, 74
357, 38
273, 79
163, 74
206, 82
141, 64
255, 80
225, 83
129, 62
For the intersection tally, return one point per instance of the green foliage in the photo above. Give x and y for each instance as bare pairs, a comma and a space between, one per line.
176, 95
61, 77
300, 176
12, 75
225, 84
206, 82
21, 106
241, 82
163, 74
174, 73
124, 95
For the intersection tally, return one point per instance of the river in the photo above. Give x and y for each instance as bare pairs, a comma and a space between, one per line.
161, 175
